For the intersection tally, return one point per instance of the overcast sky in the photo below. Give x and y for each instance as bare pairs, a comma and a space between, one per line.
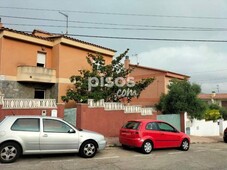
205, 62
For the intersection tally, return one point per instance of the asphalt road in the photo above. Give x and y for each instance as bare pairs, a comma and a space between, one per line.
200, 156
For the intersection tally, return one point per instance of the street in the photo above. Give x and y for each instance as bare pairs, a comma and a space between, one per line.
199, 156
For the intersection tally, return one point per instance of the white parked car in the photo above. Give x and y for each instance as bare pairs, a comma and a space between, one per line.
45, 135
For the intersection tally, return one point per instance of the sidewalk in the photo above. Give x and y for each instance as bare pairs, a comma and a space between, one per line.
113, 141
206, 139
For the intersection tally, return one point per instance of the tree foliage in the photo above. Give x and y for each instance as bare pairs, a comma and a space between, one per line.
182, 97
221, 110
212, 114
110, 82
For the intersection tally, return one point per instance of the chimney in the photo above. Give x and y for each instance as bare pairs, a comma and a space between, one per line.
1, 25
127, 62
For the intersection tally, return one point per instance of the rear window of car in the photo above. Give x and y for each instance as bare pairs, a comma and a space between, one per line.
152, 126
132, 125
26, 124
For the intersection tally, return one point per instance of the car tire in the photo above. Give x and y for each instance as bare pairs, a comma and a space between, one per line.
88, 149
225, 140
185, 145
9, 152
126, 147
147, 147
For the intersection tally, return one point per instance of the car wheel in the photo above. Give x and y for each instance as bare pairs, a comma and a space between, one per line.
9, 152
88, 149
147, 147
185, 145
225, 140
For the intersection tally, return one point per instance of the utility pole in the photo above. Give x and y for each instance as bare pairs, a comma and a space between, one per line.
67, 21
137, 60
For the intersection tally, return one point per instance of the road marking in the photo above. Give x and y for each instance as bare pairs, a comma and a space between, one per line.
141, 155
200, 151
215, 149
69, 160
173, 153
111, 157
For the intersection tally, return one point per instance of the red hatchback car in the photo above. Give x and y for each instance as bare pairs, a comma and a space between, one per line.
152, 134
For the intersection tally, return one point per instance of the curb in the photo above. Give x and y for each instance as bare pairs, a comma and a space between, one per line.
113, 142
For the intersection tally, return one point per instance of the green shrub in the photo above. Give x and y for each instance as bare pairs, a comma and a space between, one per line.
212, 114
223, 112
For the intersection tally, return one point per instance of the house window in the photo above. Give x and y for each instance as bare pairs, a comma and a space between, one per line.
41, 59
39, 94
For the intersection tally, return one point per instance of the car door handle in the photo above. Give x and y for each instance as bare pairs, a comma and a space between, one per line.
45, 135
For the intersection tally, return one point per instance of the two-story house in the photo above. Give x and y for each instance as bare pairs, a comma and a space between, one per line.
39, 64
151, 95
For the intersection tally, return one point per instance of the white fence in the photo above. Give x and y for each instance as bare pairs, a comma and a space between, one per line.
120, 106
1, 98
27, 103
205, 128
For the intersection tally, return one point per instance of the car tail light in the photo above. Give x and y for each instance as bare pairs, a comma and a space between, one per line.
130, 133
135, 133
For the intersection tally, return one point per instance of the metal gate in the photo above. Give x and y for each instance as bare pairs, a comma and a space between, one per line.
173, 119
70, 116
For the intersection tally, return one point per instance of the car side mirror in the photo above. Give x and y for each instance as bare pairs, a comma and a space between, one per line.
71, 131
176, 131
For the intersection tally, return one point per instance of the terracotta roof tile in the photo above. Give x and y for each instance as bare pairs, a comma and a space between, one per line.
52, 37
215, 96
155, 69
24, 33
84, 42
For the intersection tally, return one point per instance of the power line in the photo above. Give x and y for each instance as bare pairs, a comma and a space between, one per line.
120, 14
150, 39
114, 28
143, 39
199, 72
211, 81
140, 38
32, 18
161, 27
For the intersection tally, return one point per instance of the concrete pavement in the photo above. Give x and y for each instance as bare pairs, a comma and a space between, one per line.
114, 141
206, 139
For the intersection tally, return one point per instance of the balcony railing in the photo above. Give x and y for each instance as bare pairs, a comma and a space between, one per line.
28, 103
36, 74
120, 106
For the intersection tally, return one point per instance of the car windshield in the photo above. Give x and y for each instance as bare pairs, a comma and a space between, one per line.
73, 125
132, 125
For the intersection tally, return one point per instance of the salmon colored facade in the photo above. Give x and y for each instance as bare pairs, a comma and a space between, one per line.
39, 64
215, 98
106, 122
151, 95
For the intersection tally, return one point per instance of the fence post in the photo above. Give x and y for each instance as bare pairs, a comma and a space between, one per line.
1, 99
1, 106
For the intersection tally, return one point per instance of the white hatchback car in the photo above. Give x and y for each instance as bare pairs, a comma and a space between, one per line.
45, 135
